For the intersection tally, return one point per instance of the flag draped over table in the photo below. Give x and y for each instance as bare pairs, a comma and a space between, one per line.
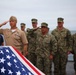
12, 62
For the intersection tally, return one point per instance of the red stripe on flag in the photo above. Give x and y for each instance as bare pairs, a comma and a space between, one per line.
26, 61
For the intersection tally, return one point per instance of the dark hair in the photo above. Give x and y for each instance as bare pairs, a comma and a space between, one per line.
1, 40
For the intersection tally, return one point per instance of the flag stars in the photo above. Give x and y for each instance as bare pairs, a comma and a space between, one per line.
2, 60
23, 69
2, 70
10, 72
18, 73
15, 60
9, 64
29, 73
7, 50
16, 66
1, 52
13, 55
8, 56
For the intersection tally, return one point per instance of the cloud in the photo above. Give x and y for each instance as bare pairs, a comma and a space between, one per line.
48, 11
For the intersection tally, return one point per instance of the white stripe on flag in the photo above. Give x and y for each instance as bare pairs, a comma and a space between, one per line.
26, 64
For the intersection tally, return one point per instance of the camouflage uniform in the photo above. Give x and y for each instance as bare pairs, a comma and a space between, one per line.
74, 49
46, 45
64, 40
31, 36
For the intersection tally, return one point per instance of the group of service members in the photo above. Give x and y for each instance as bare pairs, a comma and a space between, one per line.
41, 47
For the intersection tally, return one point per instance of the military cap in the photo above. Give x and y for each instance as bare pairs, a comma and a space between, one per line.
44, 24
34, 20
13, 18
1, 40
60, 19
23, 24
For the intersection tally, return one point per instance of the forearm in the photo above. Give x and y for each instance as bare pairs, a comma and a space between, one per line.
3, 23
54, 46
25, 50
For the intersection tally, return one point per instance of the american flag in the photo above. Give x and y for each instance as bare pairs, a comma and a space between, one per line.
12, 62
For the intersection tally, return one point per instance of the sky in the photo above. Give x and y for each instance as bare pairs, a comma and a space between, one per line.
44, 10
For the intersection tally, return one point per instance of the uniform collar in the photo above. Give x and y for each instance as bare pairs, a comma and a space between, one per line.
14, 30
60, 30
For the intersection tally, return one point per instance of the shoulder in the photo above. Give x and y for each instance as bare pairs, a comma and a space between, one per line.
5, 30
38, 31
54, 31
74, 35
20, 31
66, 29
51, 36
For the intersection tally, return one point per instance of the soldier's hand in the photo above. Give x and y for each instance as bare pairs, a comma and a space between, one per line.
51, 57
69, 52
5, 22
26, 53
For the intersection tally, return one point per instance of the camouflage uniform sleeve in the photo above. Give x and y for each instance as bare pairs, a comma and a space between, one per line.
69, 40
52, 32
73, 44
54, 45
30, 33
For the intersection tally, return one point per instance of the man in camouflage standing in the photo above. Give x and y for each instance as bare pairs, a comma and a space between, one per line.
63, 37
31, 36
46, 48
74, 50
23, 26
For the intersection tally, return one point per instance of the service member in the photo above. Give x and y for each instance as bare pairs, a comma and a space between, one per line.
31, 36
63, 37
15, 37
46, 47
23, 26
74, 50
